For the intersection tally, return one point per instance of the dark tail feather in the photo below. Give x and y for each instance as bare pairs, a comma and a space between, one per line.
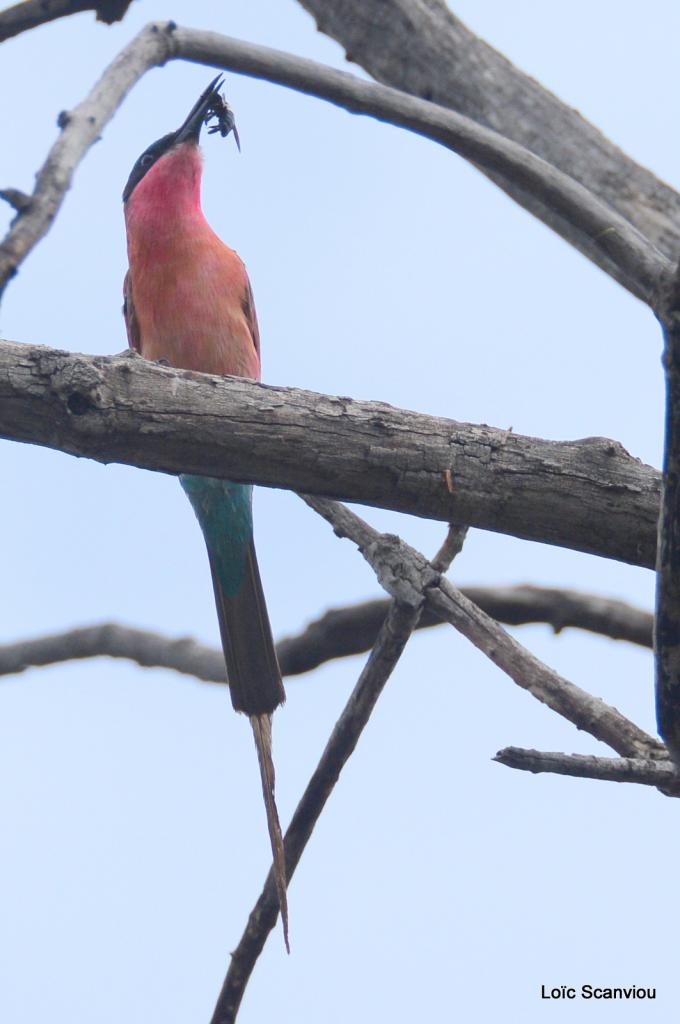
262, 731
252, 669
256, 688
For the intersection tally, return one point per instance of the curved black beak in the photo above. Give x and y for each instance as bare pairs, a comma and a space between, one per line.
209, 104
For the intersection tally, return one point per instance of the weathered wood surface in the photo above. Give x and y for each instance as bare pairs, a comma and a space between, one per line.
590, 495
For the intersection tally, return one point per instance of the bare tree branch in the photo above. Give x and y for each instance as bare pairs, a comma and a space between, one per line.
341, 632
667, 622
150, 650
420, 46
391, 641
589, 495
338, 633
394, 633
644, 771
605, 236
451, 548
403, 572
80, 128
31, 13
562, 608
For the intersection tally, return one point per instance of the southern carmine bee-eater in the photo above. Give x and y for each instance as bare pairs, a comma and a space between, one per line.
188, 303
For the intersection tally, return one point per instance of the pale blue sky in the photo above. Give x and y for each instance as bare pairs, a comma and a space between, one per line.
438, 885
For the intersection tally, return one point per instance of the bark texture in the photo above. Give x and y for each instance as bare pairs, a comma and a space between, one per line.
590, 495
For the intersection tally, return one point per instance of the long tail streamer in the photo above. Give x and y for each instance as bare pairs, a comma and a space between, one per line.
262, 731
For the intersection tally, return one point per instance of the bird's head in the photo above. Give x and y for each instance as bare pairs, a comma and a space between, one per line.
179, 150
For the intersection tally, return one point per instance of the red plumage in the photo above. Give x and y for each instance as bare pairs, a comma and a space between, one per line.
188, 302
187, 294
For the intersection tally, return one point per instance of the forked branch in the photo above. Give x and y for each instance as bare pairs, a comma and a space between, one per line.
401, 570
402, 619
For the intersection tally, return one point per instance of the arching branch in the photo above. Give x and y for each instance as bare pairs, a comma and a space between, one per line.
421, 47
595, 228
598, 230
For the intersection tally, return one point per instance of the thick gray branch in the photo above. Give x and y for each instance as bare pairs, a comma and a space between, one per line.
405, 574
589, 495
419, 46
644, 771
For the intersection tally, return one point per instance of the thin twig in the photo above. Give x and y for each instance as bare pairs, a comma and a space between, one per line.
80, 129
643, 771
402, 571
402, 619
452, 546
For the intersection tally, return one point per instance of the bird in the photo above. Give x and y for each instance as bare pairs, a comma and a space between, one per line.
188, 303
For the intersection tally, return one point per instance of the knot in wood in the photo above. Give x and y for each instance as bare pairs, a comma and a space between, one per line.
401, 571
78, 383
